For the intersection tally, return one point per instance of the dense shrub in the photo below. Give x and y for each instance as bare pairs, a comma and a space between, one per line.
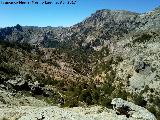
143, 38
25, 46
75, 93
86, 97
152, 109
139, 100
105, 101
9, 69
155, 111
108, 88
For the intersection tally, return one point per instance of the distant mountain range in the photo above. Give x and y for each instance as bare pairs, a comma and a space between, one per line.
101, 27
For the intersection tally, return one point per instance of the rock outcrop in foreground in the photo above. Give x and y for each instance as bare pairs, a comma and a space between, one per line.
131, 110
44, 112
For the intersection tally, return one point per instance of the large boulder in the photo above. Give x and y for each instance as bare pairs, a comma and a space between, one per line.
131, 110
139, 65
18, 84
37, 88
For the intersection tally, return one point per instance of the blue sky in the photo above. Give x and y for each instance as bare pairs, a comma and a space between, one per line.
66, 15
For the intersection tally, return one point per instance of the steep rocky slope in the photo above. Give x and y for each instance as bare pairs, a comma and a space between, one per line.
26, 108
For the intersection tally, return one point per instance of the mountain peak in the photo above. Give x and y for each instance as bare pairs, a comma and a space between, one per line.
157, 8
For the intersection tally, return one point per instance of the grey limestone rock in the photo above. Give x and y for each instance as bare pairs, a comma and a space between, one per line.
132, 110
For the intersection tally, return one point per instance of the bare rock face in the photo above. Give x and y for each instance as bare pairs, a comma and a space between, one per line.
18, 84
56, 113
131, 110
139, 65
123, 110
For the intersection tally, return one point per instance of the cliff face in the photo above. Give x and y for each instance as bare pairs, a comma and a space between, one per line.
108, 55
